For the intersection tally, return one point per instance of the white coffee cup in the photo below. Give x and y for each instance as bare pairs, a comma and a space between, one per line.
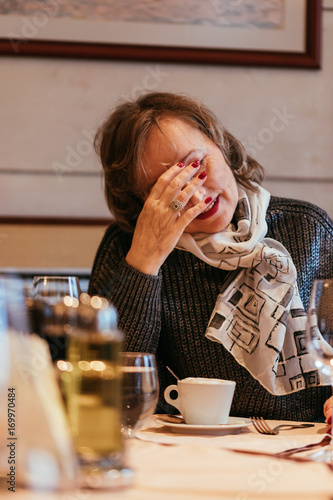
202, 401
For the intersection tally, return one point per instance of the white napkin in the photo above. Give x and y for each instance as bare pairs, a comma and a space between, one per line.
246, 438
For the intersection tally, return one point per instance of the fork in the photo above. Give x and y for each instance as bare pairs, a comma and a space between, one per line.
261, 426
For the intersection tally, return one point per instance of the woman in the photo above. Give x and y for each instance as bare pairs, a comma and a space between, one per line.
197, 263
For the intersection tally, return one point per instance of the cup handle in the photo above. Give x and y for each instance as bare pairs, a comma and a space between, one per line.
172, 402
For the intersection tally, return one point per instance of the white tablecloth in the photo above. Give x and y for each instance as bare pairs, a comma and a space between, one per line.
175, 466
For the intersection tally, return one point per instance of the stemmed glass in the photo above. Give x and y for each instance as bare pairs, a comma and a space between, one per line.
46, 293
320, 340
55, 288
140, 390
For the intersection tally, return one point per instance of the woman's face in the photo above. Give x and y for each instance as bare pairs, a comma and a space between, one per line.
180, 138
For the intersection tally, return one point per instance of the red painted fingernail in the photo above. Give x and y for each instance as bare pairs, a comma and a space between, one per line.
202, 175
208, 200
329, 419
181, 164
196, 164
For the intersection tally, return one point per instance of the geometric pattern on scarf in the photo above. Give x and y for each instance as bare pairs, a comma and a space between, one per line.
258, 316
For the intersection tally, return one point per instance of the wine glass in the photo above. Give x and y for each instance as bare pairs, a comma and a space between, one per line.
52, 289
140, 390
320, 340
46, 294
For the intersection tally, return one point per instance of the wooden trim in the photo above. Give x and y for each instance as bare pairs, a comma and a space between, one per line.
62, 221
299, 180
308, 59
314, 32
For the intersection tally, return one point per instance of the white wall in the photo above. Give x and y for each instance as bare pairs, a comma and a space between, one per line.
51, 107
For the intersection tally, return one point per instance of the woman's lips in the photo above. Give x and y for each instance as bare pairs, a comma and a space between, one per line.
211, 211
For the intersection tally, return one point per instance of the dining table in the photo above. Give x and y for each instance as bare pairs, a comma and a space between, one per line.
231, 462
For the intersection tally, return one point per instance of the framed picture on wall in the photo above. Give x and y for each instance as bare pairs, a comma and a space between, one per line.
237, 32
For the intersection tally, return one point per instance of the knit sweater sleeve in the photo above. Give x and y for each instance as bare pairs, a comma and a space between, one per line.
136, 296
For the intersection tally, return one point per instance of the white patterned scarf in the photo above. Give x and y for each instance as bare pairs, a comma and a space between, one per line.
258, 316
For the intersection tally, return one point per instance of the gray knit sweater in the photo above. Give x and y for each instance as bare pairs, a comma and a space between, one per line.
168, 314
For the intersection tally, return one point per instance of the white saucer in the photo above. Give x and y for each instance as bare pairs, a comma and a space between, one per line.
233, 426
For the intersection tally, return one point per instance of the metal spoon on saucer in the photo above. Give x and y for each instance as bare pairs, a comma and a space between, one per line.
172, 373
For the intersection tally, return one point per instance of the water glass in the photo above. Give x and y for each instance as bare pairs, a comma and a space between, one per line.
140, 390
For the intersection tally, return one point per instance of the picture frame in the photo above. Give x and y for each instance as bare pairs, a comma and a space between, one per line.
297, 44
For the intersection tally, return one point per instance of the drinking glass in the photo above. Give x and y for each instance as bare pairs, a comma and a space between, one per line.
320, 340
4, 337
37, 433
140, 390
13, 320
5, 372
52, 289
45, 304
90, 379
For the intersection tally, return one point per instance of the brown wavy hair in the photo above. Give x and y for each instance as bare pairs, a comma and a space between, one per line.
120, 143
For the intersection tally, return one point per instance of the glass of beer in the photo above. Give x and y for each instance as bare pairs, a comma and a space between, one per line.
90, 379
140, 390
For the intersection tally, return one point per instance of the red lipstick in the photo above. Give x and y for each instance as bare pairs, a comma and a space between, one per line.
212, 211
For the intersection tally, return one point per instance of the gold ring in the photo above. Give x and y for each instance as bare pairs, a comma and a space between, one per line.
176, 206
